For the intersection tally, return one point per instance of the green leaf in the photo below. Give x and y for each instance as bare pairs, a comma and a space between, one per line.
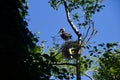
91, 51
95, 47
46, 56
64, 70
117, 51
99, 52
85, 56
91, 54
52, 53
60, 77
112, 70
53, 59
91, 1
55, 69
86, 66
109, 45
101, 45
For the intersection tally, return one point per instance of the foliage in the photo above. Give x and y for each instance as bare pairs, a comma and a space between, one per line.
42, 64
16, 40
109, 62
81, 10
21, 58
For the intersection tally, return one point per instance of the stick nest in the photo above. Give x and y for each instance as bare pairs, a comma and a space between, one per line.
70, 49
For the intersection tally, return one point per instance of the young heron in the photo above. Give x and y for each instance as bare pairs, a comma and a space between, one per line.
65, 35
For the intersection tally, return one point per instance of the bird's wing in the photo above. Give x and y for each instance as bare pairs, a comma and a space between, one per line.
68, 34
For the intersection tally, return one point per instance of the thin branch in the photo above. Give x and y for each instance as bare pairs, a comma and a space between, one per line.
87, 31
92, 33
88, 76
63, 64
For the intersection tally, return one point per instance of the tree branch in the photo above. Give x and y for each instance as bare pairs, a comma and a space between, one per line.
70, 20
92, 33
63, 64
91, 25
88, 76
79, 35
87, 31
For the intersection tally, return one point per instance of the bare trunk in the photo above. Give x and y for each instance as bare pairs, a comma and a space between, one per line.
78, 75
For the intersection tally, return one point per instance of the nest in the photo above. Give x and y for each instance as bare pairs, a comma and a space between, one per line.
70, 49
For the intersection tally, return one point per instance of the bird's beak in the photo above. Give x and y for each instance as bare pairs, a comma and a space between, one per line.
58, 32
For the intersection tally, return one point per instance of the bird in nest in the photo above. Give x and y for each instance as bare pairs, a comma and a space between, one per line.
65, 35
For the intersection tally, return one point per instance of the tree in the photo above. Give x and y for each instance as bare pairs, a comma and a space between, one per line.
73, 7
16, 40
20, 57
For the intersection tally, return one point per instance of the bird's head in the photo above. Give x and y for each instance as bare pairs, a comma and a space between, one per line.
62, 30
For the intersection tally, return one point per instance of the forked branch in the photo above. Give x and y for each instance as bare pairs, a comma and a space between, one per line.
90, 27
70, 20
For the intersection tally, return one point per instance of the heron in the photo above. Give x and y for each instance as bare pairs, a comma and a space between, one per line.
65, 35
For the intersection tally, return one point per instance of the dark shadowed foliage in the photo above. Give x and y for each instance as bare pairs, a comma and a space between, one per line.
20, 57
15, 40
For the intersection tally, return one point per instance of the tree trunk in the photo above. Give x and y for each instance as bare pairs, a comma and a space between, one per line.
78, 75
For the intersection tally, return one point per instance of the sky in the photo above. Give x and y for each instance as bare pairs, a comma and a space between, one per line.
43, 19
